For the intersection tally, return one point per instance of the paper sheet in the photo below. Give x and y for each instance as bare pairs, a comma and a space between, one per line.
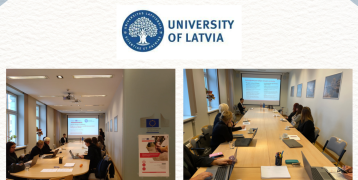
246, 123
295, 137
330, 169
243, 129
64, 170
274, 172
49, 170
69, 165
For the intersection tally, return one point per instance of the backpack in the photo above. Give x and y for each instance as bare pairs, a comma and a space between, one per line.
101, 170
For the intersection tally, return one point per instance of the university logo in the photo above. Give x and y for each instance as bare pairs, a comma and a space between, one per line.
143, 31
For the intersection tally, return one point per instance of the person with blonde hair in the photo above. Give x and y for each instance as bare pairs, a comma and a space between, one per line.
222, 107
37, 150
222, 132
306, 126
46, 149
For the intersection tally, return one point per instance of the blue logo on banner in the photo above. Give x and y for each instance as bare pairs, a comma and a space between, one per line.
86, 120
152, 123
143, 31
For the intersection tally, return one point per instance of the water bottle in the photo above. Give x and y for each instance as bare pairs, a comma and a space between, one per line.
263, 105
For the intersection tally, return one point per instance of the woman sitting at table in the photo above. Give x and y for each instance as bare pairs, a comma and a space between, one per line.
297, 117
225, 107
11, 158
37, 150
46, 149
306, 126
222, 132
94, 155
289, 119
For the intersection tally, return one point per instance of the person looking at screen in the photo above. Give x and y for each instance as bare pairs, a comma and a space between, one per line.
94, 155
11, 158
46, 149
101, 133
289, 118
297, 117
37, 150
64, 139
306, 126
225, 107
193, 162
222, 132
100, 142
241, 106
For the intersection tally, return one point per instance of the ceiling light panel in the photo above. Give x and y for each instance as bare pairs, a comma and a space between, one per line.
93, 96
27, 77
91, 76
59, 77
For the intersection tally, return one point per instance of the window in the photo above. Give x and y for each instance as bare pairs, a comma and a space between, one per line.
207, 85
37, 119
186, 108
11, 115
211, 84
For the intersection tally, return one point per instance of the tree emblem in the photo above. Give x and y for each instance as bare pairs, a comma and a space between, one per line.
143, 27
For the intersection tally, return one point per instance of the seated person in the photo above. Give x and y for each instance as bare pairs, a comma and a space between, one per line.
11, 158
37, 150
100, 142
64, 139
46, 149
222, 132
297, 117
94, 155
289, 118
241, 106
225, 107
306, 126
192, 162
349, 174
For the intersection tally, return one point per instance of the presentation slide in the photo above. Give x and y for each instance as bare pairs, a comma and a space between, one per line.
82, 126
257, 89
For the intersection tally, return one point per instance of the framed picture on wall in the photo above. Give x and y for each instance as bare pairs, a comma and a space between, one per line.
332, 86
292, 91
105, 127
116, 124
299, 90
110, 126
310, 89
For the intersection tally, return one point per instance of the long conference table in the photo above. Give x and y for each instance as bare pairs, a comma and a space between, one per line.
76, 147
264, 146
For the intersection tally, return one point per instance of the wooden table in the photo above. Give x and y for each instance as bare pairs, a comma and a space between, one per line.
265, 144
35, 171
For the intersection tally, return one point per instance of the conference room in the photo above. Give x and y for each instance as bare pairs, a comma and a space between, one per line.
267, 123
90, 123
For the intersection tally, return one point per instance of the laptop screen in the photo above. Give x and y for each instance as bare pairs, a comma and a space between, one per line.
307, 166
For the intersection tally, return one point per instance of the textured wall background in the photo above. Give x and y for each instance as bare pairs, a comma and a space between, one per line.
82, 34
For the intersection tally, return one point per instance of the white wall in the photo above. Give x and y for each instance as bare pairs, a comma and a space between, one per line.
283, 96
114, 140
147, 92
31, 125
51, 126
222, 85
333, 117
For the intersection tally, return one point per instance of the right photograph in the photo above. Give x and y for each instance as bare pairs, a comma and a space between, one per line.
252, 124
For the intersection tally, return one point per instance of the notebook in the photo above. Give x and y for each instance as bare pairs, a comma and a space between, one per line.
275, 172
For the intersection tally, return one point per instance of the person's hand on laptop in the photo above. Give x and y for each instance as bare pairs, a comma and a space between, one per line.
221, 162
82, 156
202, 176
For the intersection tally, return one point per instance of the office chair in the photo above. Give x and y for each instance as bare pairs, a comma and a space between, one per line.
316, 134
336, 145
236, 110
201, 145
207, 129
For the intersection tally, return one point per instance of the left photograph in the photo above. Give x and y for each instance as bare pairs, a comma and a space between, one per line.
90, 124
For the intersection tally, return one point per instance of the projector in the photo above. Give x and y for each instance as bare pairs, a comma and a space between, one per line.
69, 97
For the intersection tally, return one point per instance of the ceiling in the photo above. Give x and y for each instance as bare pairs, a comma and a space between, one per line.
58, 87
266, 70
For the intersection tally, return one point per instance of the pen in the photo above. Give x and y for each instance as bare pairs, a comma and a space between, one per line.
282, 152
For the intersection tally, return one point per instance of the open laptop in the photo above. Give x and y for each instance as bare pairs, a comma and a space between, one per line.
240, 142
315, 173
73, 156
51, 156
34, 161
222, 172
291, 143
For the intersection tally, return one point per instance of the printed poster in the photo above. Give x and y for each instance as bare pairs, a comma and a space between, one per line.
154, 155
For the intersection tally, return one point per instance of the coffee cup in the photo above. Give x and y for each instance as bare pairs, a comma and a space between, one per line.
284, 135
251, 130
287, 127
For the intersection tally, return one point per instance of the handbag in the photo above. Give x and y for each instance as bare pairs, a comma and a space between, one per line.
14, 168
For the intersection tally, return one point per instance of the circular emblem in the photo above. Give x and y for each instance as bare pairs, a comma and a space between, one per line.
86, 120
152, 123
143, 31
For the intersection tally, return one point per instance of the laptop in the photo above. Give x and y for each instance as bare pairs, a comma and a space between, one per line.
222, 172
315, 173
240, 142
291, 143
51, 156
73, 156
34, 161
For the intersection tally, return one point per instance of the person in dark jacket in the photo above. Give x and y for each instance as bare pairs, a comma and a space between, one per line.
225, 107
241, 106
289, 118
64, 139
46, 149
11, 158
222, 132
192, 162
94, 155
306, 126
37, 150
102, 133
